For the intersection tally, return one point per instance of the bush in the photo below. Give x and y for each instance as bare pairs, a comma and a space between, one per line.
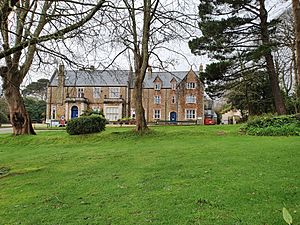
3, 118
86, 125
274, 126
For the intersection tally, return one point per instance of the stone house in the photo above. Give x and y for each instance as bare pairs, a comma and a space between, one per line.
167, 96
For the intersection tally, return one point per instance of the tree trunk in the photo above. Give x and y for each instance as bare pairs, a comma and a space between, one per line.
274, 82
141, 124
141, 62
278, 99
296, 12
19, 117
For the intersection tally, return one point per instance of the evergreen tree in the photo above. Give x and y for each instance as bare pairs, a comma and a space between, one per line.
236, 35
37, 89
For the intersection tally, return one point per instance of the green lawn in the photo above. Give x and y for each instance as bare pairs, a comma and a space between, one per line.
174, 175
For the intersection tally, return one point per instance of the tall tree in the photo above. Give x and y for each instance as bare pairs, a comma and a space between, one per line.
235, 30
36, 108
24, 25
142, 28
141, 55
296, 12
37, 89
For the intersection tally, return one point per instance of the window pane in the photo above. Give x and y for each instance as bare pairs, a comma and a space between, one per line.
114, 92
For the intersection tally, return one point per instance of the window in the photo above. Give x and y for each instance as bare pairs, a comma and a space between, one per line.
157, 86
133, 113
157, 99
53, 112
112, 113
173, 99
190, 85
157, 114
114, 92
190, 114
173, 86
97, 92
80, 92
190, 99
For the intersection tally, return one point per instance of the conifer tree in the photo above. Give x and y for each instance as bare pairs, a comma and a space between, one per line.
236, 35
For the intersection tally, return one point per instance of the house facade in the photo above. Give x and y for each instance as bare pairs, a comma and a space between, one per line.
167, 96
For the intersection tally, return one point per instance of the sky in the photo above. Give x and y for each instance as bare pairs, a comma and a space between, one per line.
180, 63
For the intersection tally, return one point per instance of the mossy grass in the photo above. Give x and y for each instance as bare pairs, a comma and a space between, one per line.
171, 175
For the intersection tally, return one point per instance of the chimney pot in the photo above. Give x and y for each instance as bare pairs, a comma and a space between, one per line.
149, 72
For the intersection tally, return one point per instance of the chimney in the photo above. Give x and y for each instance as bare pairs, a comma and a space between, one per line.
61, 75
61, 83
149, 71
201, 68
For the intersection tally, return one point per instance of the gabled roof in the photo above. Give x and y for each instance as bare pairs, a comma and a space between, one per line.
83, 78
165, 78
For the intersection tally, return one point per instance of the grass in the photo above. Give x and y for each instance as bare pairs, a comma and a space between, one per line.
173, 175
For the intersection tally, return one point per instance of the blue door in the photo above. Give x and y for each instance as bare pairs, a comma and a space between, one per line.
173, 116
74, 112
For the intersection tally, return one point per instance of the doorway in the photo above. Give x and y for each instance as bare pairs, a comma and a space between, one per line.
74, 112
173, 116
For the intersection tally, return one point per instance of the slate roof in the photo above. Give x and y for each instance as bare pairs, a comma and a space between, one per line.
83, 78
93, 78
165, 77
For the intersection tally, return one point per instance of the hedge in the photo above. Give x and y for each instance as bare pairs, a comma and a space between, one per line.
86, 125
274, 126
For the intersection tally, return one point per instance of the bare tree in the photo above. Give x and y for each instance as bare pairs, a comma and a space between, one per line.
284, 54
144, 28
24, 25
296, 12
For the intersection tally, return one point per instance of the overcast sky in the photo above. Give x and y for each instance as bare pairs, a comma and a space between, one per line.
180, 63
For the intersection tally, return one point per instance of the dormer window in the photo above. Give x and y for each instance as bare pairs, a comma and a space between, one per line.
190, 85
157, 86
173, 86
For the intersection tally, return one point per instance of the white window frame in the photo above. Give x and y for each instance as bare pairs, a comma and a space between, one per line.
112, 113
80, 92
157, 86
114, 92
97, 92
156, 114
190, 114
190, 99
190, 85
157, 99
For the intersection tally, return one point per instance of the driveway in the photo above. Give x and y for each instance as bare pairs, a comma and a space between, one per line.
5, 130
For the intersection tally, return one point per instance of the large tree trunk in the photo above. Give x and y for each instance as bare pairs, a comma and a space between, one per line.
273, 77
19, 117
141, 124
141, 62
296, 12
274, 81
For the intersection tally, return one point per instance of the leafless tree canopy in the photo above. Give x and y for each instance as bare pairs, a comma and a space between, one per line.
25, 25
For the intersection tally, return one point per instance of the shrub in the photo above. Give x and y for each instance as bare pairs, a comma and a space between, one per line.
90, 112
274, 126
86, 125
3, 118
